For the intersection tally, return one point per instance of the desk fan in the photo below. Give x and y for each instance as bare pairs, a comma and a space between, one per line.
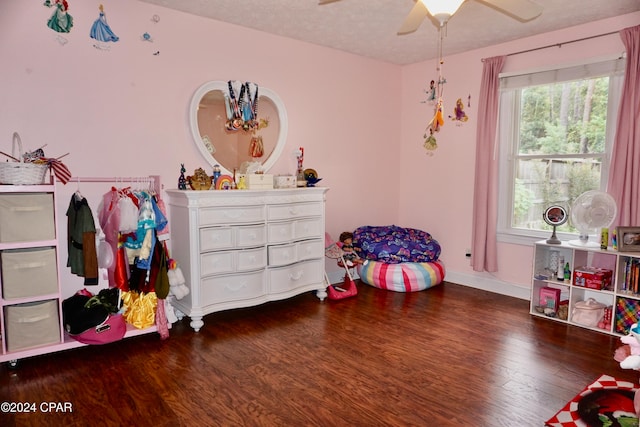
591, 211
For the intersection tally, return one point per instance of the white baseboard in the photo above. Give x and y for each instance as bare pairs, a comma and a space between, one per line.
338, 276
488, 284
471, 280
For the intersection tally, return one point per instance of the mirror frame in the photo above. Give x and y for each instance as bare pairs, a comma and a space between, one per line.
548, 220
553, 240
223, 87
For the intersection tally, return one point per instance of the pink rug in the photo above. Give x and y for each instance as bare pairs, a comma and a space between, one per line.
606, 402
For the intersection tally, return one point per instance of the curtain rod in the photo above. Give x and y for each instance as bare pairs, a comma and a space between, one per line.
560, 44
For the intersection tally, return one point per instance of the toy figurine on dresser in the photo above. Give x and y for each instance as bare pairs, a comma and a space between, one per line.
182, 181
216, 175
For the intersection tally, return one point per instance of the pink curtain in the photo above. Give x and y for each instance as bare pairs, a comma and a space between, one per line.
624, 171
485, 196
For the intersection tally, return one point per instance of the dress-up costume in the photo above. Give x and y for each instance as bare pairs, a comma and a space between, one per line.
81, 240
109, 218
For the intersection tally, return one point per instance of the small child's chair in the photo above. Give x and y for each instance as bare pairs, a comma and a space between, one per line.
348, 288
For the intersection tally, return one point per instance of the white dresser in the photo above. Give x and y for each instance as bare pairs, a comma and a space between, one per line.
239, 248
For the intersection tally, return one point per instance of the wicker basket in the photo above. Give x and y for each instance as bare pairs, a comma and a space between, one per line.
21, 173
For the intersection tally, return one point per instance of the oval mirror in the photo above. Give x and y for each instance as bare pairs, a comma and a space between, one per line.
555, 216
233, 149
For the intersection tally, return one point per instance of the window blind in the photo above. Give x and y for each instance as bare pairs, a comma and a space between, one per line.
579, 72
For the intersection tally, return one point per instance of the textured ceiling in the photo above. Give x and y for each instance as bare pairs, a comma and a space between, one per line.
368, 27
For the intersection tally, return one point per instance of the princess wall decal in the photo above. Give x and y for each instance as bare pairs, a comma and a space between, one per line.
458, 112
60, 21
101, 31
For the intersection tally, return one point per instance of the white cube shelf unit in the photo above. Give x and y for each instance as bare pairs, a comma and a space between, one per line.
31, 291
621, 297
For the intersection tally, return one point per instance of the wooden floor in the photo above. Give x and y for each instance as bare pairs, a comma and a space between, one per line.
448, 356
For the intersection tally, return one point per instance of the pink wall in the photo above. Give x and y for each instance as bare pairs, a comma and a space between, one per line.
123, 112
441, 199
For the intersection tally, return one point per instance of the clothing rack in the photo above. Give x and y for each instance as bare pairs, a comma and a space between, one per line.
153, 180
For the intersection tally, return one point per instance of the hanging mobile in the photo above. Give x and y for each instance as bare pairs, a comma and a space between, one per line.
438, 120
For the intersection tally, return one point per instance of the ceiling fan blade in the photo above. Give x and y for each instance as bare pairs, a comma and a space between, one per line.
415, 18
522, 10
321, 2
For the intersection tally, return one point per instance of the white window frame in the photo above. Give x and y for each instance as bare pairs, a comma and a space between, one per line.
507, 134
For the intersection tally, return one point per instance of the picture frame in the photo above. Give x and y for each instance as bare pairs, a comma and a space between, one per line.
628, 239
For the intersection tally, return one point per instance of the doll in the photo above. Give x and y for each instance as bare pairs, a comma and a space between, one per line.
351, 258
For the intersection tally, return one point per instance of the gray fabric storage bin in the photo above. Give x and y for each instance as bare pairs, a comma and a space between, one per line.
26, 217
29, 272
32, 325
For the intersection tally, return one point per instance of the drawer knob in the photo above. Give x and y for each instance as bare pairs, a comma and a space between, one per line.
296, 276
236, 288
233, 214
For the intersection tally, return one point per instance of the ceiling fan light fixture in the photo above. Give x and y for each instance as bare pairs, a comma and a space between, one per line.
442, 10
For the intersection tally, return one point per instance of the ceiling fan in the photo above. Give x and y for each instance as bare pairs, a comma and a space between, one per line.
442, 10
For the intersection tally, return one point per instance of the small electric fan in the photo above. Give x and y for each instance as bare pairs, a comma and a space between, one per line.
591, 211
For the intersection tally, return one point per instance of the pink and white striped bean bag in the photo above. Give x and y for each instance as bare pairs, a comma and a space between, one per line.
402, 277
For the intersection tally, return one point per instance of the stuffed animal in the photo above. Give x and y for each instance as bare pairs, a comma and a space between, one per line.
177, 282
629, 354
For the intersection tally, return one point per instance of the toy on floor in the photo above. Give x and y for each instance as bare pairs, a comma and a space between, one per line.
350, 257
348, 287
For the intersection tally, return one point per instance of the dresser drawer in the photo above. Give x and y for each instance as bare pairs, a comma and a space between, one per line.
283, 232
284, 279
287, 254
251, 235
216, 263
310, 249
307, 228
215, 238
231, 215
236, 287
244, 236
294, 210
251, 259
282, 254
230, 261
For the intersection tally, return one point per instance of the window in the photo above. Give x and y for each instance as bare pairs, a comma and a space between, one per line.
555, 133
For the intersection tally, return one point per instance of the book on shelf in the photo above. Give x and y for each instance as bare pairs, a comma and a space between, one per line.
631, 279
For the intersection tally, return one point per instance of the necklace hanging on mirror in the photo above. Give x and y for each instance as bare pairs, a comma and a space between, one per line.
234, 115
250, 107
247, 115
242, 110
254, 104
241, 102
